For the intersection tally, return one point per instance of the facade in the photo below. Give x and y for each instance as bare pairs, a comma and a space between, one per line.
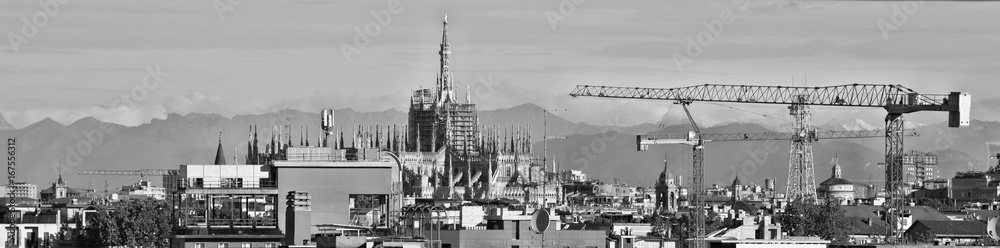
336, 185
759, 231
572, 176
226, 205
506, 228
841, 190
144, 188
836, 188
948, 232
60, 190
918, 167
449, 154
932, 184
20, 189
667, 192
973, 187
594, 193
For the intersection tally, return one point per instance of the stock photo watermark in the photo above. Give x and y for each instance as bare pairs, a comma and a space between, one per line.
363, 35
566, 8
32, 26
901, 14
11, 168
714, 28
225, 6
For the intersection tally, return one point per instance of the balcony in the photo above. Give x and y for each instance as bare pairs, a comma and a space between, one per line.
226, 186
243, 222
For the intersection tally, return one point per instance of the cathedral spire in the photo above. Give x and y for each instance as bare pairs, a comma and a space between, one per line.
220, 157
446, 93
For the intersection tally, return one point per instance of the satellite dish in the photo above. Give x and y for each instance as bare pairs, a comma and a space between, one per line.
540, 220
991, 228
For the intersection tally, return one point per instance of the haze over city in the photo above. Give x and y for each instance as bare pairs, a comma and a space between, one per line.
559, 123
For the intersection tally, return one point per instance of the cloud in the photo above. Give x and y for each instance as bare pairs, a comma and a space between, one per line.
122, 115
715, 51
902, 46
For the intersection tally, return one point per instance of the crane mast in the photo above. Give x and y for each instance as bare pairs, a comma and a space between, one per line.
895, 99
698, 184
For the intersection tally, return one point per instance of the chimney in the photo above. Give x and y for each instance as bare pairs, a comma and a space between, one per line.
298, 221
869, 221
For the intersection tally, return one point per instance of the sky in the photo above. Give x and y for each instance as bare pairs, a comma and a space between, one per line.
131, 61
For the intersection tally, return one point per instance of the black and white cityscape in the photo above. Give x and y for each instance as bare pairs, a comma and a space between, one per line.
558, 123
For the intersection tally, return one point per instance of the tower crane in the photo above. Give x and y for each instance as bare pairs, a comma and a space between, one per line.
697, 139
895, 99
140, 173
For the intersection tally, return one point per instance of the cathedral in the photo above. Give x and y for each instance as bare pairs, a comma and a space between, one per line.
449, 154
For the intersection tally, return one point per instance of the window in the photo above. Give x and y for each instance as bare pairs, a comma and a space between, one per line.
270, 245
199, 245
246, 245
223, 245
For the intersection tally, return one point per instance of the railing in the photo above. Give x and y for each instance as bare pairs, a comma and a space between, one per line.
263, 221
225, 183
296, 157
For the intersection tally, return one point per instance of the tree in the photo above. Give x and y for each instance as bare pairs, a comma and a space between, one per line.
920, 238
685, 226
138, 222
826, 220
661, 225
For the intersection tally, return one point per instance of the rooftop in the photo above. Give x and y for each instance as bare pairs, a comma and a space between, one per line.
945, 227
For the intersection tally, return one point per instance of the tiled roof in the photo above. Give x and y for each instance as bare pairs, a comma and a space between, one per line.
945, 227
835, 181
860, 226
745, 206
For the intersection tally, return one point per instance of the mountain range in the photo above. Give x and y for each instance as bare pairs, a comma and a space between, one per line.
47, 149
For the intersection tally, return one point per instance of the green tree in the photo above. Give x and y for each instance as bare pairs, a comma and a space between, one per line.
826, 220
139, 222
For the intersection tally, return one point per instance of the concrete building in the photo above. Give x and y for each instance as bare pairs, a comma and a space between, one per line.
506, 228
919, 167
758, 231
144, 188
226, 205
572, 176
598, 194
20, 189
336, 184
972, 187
